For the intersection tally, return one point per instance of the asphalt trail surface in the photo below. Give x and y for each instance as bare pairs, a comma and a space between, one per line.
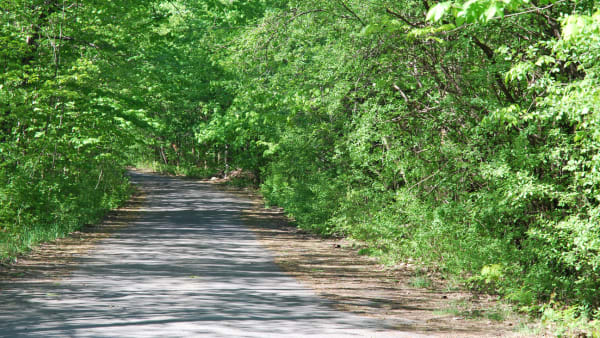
187, 267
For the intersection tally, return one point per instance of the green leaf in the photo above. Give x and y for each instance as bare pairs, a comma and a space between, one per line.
544, 60
437, 12
494, 10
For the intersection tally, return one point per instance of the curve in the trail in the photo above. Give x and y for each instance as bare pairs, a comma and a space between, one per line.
187, 267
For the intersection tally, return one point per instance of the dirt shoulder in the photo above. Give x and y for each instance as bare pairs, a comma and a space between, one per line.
360, 284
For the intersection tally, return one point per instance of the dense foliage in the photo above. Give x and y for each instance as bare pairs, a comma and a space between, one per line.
60, 116
459, 134
463, 134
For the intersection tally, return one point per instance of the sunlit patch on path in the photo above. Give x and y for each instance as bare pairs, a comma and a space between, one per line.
185, 267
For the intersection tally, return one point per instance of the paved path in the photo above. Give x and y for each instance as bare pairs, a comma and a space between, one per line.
187, 267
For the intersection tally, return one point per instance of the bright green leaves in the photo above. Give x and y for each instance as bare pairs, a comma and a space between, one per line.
64, 122
545, 60
580, 43
580, 26
474, 11
556, 131
429, 32
438, 11
385, 25
507, 117
479, 11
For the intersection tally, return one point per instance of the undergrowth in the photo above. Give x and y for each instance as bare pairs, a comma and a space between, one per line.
58, 212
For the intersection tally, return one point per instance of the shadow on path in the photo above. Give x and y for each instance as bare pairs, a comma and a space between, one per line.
186, 267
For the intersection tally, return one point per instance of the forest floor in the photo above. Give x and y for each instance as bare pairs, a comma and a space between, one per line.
331, 267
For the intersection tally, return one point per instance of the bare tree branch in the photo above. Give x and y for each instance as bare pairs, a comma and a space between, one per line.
490, 55
399, 16
352, 12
